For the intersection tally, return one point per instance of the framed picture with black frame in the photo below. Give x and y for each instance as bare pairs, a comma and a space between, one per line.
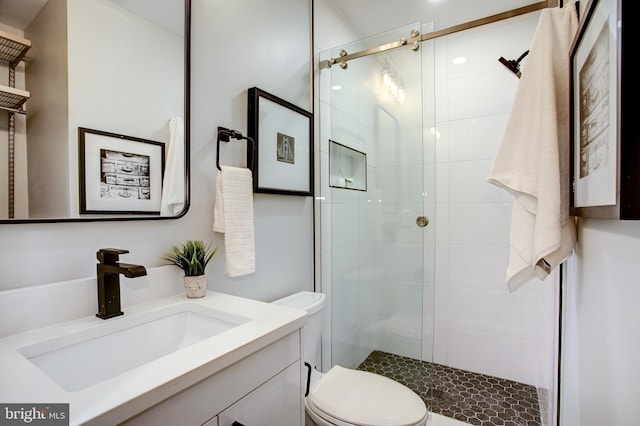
283, 137
605, 141
119, 174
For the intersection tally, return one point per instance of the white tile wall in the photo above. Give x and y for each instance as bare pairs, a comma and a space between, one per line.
492, 354
479, 325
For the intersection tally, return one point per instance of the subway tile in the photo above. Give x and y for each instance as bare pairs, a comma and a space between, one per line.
480, 95
477, 266
494, 355
479, 224
495, 313
468, 184
476, 138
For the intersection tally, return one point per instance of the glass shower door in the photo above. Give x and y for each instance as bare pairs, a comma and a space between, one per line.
372, 135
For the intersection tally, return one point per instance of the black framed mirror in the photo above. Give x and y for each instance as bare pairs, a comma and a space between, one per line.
113, 66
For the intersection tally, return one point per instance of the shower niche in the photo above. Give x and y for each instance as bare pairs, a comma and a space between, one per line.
347, 167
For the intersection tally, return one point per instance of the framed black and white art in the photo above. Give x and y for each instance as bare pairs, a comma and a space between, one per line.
605, 141
283, 136
119, 174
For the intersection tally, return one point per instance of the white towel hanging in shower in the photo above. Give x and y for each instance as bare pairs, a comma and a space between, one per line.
533, 159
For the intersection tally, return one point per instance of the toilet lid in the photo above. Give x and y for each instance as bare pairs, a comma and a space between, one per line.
363, 398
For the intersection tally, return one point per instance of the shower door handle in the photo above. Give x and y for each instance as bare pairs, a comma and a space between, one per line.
422, 221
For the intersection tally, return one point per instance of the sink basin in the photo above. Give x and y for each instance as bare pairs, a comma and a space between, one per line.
78, 360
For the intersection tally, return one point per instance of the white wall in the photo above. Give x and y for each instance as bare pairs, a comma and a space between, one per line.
601, 343
600, 340
235, 45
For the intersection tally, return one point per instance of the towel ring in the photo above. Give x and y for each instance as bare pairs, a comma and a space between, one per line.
225, 135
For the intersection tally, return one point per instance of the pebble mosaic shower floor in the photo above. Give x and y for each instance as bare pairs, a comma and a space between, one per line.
470, 397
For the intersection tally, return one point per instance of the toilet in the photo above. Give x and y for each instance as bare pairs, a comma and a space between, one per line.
347, 397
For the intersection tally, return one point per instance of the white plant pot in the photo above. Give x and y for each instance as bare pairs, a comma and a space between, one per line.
195, 286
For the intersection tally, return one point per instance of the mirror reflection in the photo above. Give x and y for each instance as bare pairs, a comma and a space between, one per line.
115, 68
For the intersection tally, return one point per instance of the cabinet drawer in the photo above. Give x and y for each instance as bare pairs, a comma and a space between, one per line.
277, 402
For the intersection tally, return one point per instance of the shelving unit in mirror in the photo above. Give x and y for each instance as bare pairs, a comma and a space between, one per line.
12, 99
12, 51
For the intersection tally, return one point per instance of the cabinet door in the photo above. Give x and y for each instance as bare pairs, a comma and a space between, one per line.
276, 402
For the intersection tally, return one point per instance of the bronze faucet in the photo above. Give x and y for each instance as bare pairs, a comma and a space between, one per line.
109, 270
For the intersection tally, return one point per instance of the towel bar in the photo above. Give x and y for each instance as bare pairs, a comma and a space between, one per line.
225, 135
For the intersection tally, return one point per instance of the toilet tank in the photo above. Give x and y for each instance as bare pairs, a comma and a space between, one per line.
313, 303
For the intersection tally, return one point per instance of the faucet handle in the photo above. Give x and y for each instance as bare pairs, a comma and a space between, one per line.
109, 256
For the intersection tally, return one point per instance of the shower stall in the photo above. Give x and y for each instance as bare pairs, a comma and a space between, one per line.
414, 242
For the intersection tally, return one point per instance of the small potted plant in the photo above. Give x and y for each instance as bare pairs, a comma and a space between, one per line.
192, 257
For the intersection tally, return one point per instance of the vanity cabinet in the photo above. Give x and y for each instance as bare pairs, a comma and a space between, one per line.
263, 388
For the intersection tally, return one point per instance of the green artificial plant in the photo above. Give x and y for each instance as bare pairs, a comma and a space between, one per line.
191, 256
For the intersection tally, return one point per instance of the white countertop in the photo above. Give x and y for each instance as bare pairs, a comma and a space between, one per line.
120, 397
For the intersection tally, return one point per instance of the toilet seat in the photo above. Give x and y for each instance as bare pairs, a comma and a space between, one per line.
347, 397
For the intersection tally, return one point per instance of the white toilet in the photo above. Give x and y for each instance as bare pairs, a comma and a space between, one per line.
347, 397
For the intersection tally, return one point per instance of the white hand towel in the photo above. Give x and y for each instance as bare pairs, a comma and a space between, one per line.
233, 216
173, 186
533, 159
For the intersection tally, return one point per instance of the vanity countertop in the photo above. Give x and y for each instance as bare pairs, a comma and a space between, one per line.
120, 397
